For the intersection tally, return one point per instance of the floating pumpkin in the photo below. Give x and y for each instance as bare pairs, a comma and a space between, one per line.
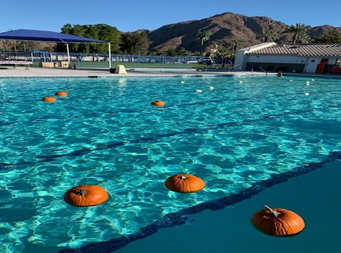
158, 103
86, 195
61, 94
184, 183
277, 222
49, 99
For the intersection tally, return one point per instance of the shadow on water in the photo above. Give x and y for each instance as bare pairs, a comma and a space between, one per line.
178, 218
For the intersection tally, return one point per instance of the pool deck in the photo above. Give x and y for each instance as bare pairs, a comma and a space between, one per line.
59, 72
22, 72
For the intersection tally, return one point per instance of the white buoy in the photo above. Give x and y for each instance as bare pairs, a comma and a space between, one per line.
313, 80
198, 90
290, 80
307, 83
211, 88
240, 81
306, 93
182, 82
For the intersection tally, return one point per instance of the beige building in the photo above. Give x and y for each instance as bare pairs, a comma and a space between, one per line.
270, 56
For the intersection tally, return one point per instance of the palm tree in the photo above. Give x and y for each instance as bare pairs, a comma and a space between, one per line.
269, 35
235, 45
203, 36
299, 30
329, 38
224, 54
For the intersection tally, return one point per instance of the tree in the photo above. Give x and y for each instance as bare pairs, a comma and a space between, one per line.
331, 37
181, 51
98, 31
170, 52
300, 32
236, 44
134, 43
202, 35
178, 51
268, 35
224, 54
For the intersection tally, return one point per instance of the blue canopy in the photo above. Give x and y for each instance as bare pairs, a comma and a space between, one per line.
37, 35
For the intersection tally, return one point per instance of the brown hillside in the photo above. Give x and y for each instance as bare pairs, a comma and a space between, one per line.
224, 29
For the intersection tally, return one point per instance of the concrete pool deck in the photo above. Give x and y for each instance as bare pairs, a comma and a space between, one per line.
22, 72
59, 72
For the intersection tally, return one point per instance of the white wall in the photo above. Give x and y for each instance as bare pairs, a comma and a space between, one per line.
277, 59
312, 63
240, 60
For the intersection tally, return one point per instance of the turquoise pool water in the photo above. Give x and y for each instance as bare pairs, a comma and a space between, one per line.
236, 132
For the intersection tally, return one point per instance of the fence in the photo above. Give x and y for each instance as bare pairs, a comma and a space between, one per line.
101, 60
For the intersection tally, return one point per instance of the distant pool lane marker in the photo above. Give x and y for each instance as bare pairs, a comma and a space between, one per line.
278, 222
184, 183
158, 103
49, 99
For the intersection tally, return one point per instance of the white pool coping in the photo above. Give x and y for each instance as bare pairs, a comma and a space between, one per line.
32, 72
59, 72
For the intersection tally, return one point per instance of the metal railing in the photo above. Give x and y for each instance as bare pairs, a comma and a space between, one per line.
233, 67
101, 60
266, 73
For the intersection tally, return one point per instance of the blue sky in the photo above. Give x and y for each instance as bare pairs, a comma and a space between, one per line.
132, 15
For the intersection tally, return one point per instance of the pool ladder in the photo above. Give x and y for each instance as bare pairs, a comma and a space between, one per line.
266, 73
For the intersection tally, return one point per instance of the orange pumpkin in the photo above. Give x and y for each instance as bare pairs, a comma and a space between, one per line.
278, 222
158, 103
49, 99
184, 183
61, 94
86, 195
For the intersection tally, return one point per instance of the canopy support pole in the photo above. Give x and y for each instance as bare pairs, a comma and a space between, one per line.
68, 54
109, 49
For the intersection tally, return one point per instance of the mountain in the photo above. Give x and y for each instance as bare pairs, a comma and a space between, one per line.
224, 29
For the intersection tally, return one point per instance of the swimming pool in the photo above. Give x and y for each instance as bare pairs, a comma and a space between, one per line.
241, 131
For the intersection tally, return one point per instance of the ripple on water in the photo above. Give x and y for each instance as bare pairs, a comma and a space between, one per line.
105, 132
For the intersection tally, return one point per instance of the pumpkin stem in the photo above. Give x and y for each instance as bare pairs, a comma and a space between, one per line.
273, 212
182, 177
81, 192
